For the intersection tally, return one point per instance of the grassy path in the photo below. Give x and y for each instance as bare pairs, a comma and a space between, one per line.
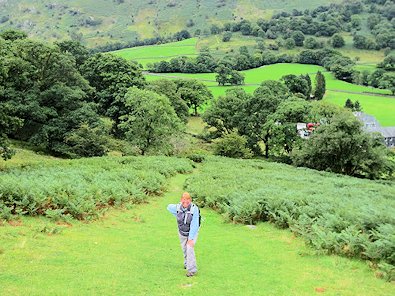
136, 252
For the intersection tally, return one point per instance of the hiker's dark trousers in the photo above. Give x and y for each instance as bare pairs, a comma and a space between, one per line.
189, 253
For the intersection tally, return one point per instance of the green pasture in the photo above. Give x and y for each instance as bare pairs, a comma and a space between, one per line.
275, 72
157, 53
383, 108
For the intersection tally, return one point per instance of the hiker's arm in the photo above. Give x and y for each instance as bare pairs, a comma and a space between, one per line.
172, 208
194, 224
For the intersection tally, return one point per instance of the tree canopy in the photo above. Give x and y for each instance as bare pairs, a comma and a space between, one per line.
149, 121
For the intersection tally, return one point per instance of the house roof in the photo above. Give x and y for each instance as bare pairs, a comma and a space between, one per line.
366, 118
387, 132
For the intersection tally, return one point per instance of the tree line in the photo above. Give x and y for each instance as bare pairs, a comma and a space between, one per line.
325, 20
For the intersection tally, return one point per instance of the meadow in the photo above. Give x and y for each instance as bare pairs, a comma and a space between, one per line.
156, 53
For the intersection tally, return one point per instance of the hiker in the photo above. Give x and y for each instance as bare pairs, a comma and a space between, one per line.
188, 220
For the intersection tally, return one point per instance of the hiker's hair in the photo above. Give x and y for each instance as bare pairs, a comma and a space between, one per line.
186, 195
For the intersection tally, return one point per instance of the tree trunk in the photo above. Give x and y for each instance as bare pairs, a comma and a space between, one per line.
266, 141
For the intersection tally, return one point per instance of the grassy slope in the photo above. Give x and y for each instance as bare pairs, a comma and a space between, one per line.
157, 53
25, 156
133, 18
137, 252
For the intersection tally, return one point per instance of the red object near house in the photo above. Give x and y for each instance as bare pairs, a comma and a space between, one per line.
311, 126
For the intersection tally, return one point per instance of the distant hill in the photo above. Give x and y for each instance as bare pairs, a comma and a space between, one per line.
97, 22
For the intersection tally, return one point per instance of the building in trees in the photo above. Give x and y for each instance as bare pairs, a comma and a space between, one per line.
370, 124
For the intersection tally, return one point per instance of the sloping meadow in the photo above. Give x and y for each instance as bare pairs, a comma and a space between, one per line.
333, 213
85, 188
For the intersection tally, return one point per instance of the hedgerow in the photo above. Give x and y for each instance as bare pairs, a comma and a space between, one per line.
333, 213
85, 188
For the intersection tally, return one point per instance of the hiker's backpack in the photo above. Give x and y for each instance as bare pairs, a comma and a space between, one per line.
191, 210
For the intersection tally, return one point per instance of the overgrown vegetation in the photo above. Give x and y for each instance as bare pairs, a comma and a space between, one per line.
84, 189
333, 213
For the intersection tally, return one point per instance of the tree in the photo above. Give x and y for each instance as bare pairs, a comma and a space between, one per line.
311, 43
223, 73
337, 41
357, 106
298, 36
227, 36
388, 82
205, 62
375, 77
43, 87
87, 141
297, 84
226, 75
150, 120
183, 34
349, 104
264, 102
289, 43
388, 63
245, 28
320, 86
343, 147
280, 126
232, 145
236, 78
13, 35
308, 79
193, 92
341, 72
169, 89
8, 124
227, 112
360, 41
215, 30
111, 76
76, 49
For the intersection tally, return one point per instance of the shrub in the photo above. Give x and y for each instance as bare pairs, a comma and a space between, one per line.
232, 145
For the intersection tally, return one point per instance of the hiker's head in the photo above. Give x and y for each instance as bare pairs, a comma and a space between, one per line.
186, 199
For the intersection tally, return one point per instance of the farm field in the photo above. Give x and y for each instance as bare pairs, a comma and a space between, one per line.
156, 53
374, 101
115, 255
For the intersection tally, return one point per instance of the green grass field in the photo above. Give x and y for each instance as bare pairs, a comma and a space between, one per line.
157, 53
383, 108
372, 100
136, 252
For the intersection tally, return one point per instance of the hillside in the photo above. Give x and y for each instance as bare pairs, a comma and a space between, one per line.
115, 253
101, 21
